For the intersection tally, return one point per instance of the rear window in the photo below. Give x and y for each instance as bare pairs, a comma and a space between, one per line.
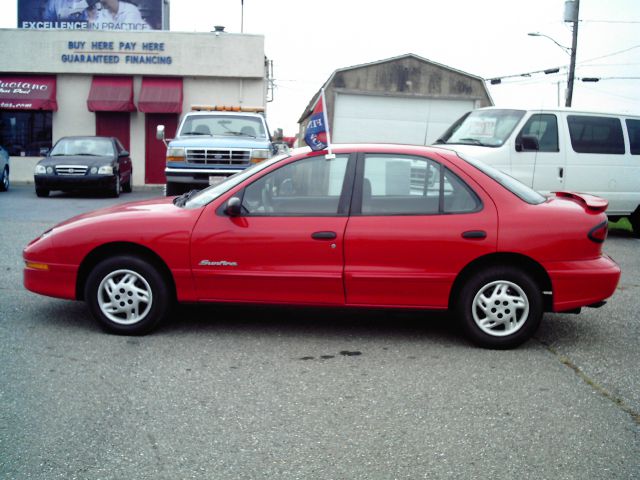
633, 127
519, 189
590, 134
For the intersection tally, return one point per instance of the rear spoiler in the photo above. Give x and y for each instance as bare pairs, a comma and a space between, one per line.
590, 202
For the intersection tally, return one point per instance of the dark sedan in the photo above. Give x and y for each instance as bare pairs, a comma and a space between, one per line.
85, 163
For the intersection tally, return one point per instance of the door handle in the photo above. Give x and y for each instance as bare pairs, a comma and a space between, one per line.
474, 234
324, 235
561, 172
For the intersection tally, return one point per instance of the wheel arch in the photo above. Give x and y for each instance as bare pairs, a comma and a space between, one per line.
121, 248
526, 264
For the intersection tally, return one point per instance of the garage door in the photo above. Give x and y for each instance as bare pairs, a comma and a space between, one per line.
416, 121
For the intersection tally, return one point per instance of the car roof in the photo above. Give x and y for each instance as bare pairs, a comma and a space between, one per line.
379, 148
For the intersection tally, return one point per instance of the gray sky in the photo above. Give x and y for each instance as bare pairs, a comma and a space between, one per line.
307, 41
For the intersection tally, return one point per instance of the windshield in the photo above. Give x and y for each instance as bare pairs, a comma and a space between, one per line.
233, 125
100, 147
519, 189
487, 128
206, 196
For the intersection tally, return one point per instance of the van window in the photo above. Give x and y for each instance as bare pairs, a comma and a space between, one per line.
487, 128
633, 127
545, 128
591, 134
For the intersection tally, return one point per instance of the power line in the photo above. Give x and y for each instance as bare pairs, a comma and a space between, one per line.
610, 21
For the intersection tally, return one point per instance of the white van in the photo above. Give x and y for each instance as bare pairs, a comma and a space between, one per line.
558, 149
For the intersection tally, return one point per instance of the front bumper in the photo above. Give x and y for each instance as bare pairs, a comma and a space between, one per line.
582, 283
44, 274
72, 182
198, 175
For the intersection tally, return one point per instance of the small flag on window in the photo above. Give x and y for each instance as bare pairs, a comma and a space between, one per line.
317, 131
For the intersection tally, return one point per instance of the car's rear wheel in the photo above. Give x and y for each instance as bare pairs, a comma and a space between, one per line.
42, 192
127, 295
500, 307
4, 180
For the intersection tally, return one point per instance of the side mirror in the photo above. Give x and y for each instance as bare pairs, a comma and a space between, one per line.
160, 132
123, 154
527, 143
234, 207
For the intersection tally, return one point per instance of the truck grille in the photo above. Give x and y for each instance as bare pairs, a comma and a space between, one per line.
218, 156
76, 170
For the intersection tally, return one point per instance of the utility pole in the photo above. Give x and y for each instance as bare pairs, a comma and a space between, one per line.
572, 9
241, 16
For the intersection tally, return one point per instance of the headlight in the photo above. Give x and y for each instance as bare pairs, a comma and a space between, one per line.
175, 154
258, 156
93, 170
105, 170
40, 170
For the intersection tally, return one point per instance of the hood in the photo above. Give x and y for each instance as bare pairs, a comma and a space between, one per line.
145, 209
220, 141
89, 160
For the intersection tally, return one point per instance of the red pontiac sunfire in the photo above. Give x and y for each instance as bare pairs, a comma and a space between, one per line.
371, 226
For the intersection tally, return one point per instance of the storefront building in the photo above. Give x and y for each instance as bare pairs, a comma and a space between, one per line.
56, 83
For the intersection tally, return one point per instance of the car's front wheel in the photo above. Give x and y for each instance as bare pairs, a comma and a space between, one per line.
127, 295
42, 192
4, 180
116, 189
500, 307
634, 219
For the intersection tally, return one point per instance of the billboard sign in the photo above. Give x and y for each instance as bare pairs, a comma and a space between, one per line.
121, 15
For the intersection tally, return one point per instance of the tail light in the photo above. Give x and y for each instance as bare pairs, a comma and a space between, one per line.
598, 233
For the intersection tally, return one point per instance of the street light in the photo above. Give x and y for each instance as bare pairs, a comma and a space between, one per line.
567, 50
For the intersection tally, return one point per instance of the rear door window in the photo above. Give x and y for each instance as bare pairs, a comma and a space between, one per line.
407, 185
591, 134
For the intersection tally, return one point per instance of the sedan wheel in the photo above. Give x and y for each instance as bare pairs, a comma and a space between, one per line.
115, 192
500, 307
127, 295
4, 180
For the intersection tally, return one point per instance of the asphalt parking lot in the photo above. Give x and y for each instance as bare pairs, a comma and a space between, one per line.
231, 392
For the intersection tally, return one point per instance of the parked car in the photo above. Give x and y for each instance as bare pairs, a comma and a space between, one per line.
85, 163
4, 170
558, 149
355, 229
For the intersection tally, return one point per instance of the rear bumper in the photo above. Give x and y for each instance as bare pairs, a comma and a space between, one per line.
582, 283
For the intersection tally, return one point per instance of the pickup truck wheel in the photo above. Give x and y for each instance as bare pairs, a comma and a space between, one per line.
634, 219
173, 189
127, 295
500, 307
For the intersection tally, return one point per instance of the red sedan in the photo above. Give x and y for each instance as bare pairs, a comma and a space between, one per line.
370, 226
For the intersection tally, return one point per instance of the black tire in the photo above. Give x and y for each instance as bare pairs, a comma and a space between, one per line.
4, 180
634, 219
511, 317
141, 301
42, 192
117, 188
126, 187
173, 189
